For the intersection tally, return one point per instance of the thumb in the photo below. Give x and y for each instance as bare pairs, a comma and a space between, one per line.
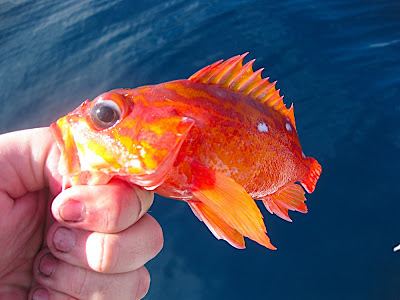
28, 162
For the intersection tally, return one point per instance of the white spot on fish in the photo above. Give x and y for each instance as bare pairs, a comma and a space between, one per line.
303, 155
397, 248
288, 127
262, 127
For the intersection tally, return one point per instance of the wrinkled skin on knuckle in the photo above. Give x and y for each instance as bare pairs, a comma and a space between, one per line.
100, 252
123, 211
87, 286
79, 284
110, 254
112, 216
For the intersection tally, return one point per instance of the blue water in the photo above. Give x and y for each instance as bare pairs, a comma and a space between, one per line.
339, 61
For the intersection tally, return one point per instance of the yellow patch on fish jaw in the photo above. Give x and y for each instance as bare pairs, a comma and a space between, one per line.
126, 141
130, 152
95, 151
96, 156
100, 150
148, 154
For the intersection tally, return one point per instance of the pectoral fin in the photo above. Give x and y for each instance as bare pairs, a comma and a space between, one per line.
232, 204
217, 226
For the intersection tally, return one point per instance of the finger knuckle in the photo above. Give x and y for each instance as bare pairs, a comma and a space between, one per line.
79, 284
100, 252
109, 254
112, 215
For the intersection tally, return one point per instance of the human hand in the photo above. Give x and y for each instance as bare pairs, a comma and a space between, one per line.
95, 248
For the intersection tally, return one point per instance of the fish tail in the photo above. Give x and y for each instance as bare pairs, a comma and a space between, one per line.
311, 178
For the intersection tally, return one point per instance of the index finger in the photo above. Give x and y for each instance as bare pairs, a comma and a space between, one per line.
102, 208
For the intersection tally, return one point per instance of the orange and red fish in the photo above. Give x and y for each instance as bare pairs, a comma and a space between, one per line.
217, 141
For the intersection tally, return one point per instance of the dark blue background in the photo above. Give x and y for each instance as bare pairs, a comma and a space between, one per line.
338, 61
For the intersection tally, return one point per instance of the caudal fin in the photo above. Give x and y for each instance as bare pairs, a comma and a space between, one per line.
310, 180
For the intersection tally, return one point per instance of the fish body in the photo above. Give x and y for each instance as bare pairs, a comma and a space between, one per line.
217, 140
240, 138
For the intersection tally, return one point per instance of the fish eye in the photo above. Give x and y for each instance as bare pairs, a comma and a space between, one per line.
105, 113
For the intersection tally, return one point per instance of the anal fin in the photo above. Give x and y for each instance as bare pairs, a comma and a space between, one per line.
217, 226
230, 201
289, 197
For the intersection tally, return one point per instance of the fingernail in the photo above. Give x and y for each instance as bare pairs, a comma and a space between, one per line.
40, 294
64, 239
72, 211
47, 265
146, 199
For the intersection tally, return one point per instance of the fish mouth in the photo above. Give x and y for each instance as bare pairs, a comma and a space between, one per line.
57, 135
69, 166
69, 160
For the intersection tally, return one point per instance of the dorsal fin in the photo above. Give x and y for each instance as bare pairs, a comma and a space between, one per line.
232, 74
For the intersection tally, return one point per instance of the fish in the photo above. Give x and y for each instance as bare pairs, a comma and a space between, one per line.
219, 141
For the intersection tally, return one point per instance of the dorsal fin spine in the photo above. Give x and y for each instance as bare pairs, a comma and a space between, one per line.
242, 77
291, 115
203, 72
253, 81
262, 93
222, 69
273, 98
212, 70
276, 101
225, 69
233, 75
259, 87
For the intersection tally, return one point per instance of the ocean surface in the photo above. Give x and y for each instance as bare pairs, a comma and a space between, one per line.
338, 61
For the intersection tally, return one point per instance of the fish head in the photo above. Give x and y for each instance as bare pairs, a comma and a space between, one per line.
121, 133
